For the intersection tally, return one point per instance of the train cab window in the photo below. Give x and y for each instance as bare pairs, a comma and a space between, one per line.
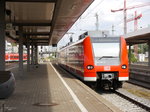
106, 53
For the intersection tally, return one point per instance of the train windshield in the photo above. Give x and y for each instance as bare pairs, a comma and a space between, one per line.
106, 53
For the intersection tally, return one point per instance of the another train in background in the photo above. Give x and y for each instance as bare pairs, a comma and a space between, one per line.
14, 57
100, 61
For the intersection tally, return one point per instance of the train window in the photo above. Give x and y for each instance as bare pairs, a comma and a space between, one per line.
106, 53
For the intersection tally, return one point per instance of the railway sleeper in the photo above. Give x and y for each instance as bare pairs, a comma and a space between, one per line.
143, 78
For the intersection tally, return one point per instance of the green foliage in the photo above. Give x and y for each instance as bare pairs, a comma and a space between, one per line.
142, 48
14, 44
133, 58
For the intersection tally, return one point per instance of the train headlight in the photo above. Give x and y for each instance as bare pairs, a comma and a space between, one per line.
124, 66
90, 67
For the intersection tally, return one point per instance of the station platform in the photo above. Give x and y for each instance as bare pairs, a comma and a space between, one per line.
48, 88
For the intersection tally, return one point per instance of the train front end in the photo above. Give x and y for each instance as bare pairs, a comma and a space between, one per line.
110, 60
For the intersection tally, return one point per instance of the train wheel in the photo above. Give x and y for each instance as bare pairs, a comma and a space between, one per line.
91, 84
95, 85
120, 84
98, 85
115, 86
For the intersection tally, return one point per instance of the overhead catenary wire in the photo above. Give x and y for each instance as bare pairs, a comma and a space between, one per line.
93, 8
89, 12
97, 7
99, 13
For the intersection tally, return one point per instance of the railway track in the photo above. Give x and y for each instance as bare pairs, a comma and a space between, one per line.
125, 101
139, 83
140, 104
140, 75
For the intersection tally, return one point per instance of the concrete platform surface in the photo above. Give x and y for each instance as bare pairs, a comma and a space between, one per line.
49, 89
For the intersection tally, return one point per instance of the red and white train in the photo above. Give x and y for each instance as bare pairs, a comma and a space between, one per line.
100, 60
13, 57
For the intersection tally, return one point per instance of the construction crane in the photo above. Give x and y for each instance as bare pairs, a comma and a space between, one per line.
125, 12
136, 17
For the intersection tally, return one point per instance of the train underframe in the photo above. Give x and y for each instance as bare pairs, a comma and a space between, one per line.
109, 82
106, 84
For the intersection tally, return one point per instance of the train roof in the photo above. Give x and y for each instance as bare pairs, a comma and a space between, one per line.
79, 41
112, 39
105, 39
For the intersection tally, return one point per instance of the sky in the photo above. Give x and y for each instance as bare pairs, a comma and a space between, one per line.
107, 19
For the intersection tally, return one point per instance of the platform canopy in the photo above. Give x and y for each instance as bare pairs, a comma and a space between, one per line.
42, 21
138, 37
